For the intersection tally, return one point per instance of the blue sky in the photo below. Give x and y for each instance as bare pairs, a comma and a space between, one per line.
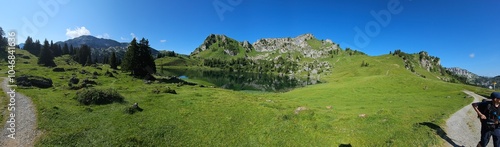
463, 33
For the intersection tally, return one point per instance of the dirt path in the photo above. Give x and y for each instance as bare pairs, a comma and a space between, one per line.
463, 127
25, 121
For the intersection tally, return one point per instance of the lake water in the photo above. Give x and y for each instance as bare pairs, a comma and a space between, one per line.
241, 81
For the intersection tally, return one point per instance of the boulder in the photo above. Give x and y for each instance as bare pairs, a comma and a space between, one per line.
74, 80
89, 82
36, 81
299, 109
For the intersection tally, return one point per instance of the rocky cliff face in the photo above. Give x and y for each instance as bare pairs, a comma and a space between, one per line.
472, 78
429, 62
305, 44
462, 72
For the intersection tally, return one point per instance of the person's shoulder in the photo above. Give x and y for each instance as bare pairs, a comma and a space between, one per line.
483, 103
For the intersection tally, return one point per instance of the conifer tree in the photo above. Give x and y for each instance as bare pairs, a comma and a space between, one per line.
138, 59
89, 61
46, 58
65, 49
112, 61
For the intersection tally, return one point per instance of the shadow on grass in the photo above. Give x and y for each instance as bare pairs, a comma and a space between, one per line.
345, 145
440, 132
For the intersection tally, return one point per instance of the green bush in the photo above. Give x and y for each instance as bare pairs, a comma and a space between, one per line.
98, 96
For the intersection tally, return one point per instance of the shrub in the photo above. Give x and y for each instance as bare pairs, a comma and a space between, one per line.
109, 74
98, 96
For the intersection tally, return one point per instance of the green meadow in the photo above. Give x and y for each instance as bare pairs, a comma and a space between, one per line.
383, 104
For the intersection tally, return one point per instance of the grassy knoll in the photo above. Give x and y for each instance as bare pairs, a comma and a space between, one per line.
393, 100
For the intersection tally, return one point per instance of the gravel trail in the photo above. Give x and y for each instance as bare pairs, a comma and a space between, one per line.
25, 121
463, 127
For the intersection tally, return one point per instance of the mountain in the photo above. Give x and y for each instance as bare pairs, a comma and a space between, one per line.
101, 47
305, 55
221, 46
473, 79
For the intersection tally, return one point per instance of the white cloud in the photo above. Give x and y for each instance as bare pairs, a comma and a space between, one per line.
123, 38
162, 41
105, 36
133, 35
77, 32
472, 55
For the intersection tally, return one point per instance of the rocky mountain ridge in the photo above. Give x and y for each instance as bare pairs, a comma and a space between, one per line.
305, 44
472, 78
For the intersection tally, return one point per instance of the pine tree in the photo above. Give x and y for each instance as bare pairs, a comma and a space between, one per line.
72, 50
37, 48
46, 58
138, 59
129, 63
82, 55
55, 49
29, 45
112, 61
3, 43
32, 47
105, 60
89, 61
148, 62
65, 49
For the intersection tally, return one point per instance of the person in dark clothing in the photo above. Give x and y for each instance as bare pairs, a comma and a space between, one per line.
489, 114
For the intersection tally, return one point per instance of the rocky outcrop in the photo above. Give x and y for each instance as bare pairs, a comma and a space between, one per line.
29, 81
472, 78
305, 44
429, 62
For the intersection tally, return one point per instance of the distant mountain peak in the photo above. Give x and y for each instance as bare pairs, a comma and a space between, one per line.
101, 47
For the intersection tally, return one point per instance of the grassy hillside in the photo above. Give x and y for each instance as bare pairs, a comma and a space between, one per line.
382, 104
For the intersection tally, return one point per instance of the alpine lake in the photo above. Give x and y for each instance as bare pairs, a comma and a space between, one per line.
241, 81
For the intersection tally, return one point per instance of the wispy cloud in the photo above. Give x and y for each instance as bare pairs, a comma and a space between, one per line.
77, 32
105, 36
133, 35
163, 41
122, 38
472, 55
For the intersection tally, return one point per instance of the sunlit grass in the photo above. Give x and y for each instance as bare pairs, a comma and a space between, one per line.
393, 100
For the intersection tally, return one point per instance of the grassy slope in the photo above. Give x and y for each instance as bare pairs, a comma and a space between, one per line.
392, 98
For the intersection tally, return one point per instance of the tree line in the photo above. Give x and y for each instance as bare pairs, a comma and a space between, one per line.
138, 59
